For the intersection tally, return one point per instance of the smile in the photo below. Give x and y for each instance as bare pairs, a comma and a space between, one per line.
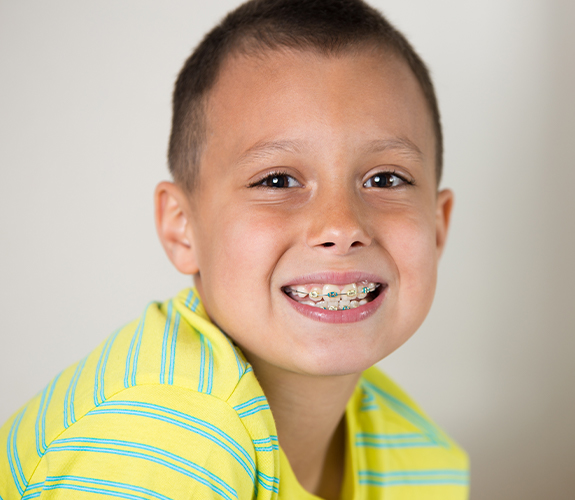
334, 297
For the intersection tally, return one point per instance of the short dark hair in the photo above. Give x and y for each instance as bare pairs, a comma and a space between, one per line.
329, 27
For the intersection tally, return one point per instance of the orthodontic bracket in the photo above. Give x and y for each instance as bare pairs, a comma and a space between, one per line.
313, 294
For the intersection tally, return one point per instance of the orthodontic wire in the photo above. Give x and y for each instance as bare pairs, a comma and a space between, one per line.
369, 290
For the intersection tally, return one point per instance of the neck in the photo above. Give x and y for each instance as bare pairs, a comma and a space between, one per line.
309, 415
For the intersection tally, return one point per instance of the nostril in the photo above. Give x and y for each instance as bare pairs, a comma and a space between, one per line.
328, 244
357, 244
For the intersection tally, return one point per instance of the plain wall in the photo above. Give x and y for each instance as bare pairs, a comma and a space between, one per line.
84, 122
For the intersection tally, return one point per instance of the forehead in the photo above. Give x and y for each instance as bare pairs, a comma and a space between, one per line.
346, 101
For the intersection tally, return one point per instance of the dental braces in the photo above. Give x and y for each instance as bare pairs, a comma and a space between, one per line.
352, 292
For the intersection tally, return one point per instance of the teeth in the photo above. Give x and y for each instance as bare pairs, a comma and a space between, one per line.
332, 297
363, 289
349, 291
330, 291
344, 303
332, 305
315, 293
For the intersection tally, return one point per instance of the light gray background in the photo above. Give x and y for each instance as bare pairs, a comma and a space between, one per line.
84, 121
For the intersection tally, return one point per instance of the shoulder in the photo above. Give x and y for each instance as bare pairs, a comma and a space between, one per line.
162, 439
168, 390
379, 393
173, 343
394, 434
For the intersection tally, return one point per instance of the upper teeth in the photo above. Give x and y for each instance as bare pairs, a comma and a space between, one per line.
333, 292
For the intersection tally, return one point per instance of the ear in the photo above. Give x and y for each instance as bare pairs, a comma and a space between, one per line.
442, 218
174, 229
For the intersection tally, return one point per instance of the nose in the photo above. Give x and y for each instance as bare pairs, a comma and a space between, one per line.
339, 225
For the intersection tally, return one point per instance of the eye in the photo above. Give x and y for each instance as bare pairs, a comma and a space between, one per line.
385, 180
277, 180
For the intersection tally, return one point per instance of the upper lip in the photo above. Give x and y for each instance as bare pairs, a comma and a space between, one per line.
335, 278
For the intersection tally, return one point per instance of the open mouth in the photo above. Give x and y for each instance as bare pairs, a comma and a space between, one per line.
335, 297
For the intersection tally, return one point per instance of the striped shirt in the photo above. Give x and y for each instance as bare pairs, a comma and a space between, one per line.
168, 408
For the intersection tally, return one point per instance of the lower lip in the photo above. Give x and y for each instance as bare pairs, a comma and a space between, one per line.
343, 316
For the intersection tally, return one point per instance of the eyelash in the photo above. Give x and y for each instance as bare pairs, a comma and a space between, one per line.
282, 174
388, 174
270, 177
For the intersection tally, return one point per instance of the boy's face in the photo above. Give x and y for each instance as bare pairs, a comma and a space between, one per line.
317, 171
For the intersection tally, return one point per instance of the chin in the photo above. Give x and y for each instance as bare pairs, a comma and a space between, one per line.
331, 362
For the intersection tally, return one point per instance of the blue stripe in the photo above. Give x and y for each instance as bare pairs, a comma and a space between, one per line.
249, 468
267, 448
368, 401
184, 426
101, 482
69, 417
267, 440
406, 440
189, 418
414, 478
129, 356
103, 368
429, 472
368, 397
17, 476
403, 435
210, 367
82, 446
165, 342
271, 479
253, 410
39, 421
189, 298
250, 402
73, 395
202, 360
98, 365
33, 490
33, 494
409, 414
67, 397
421, 444
99, 491
369, 407
52, 386
275, 489
414, 482
173, 349
138, 344
241, 367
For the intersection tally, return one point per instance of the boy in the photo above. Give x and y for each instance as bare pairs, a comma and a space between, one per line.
306, 153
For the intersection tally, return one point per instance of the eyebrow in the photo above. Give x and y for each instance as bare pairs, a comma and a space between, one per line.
264, 149
400, 144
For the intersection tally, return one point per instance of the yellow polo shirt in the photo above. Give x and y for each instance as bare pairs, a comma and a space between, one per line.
168, 408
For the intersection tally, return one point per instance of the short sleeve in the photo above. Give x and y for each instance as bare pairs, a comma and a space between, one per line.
150, 442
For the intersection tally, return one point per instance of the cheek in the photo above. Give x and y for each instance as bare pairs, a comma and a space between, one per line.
414, 252
239, 259
244, 245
